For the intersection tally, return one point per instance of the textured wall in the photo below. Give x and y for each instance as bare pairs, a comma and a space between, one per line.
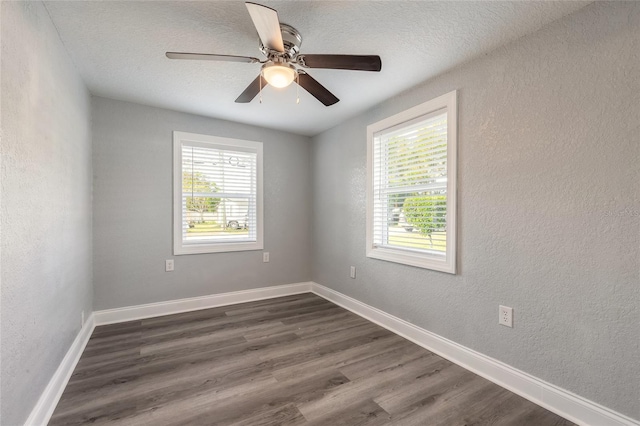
46, 205
132, 163
549, 208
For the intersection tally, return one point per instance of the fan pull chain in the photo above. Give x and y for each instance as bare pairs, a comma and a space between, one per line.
260, 88
297, 88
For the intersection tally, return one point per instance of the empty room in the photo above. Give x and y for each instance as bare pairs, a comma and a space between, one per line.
320, 213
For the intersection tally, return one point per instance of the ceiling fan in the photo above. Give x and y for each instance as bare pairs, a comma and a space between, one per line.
280, 43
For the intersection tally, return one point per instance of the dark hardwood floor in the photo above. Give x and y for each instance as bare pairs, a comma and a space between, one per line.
294, 360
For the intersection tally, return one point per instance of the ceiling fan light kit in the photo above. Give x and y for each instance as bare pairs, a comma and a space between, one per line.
279, 74
280, 43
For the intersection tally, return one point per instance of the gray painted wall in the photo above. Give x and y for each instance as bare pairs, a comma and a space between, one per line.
549, 208
132, 163
46, 205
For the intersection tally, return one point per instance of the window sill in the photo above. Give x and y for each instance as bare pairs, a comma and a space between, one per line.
216, 248
419, 260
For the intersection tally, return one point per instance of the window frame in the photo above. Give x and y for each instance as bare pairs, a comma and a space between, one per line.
215, 141
416, 258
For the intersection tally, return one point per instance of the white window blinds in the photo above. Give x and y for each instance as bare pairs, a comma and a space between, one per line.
410, 185
219, 198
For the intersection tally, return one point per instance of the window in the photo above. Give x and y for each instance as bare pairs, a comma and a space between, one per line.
411, 192
217, 194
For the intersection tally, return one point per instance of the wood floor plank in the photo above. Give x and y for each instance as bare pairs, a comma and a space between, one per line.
369, 387
381, 361
325, 361
294, 360
285, 415
454, 406
253, 402
237, 347
361, 413
427, 387
305, 328
116, 329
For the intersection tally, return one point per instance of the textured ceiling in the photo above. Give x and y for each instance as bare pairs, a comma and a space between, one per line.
119, 49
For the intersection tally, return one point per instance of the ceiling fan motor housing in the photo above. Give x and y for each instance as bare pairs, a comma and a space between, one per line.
291, 39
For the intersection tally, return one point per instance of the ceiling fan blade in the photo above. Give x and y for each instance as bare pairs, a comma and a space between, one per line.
318, 91
267, 23
211, 57
342, 62
252, 90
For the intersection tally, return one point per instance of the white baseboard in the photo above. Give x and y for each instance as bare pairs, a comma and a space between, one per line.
131, 313
562, 402
47, 402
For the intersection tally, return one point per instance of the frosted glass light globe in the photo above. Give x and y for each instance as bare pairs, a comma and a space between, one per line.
279, 75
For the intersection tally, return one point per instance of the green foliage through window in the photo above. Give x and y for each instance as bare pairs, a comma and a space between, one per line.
196, 183
426, 212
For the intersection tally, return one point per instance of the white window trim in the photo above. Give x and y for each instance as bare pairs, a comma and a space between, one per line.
178, 247
420, 259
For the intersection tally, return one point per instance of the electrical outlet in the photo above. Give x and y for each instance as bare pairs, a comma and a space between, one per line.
265, 257
505, 316
168, 265
352, 273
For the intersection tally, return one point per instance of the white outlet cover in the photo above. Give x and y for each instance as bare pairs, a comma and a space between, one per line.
265, 257
505, 316
168, 265
352, 273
